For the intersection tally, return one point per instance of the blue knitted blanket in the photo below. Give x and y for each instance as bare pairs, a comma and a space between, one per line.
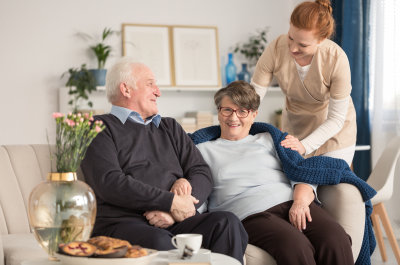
320, 170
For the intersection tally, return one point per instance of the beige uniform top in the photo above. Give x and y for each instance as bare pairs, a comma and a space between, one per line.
306, 105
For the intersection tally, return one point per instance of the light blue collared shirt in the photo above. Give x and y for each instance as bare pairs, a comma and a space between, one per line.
123, 114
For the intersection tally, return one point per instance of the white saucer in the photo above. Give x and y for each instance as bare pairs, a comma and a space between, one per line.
203, 255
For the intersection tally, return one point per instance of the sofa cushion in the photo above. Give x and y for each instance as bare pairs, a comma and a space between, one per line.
345, 204
22, 168
21, 247
257, 256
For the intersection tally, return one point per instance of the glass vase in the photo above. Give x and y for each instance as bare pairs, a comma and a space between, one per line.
61, 209
244, 73
230, 70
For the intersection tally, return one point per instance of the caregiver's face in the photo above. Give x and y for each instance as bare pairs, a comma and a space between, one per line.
235, 121
302, 44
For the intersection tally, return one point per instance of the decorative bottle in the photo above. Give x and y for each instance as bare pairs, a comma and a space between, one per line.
244, 74
230, 70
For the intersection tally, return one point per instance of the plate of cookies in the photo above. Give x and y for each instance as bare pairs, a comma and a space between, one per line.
102, 250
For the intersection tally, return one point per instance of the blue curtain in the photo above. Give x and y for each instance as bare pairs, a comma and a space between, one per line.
352, 33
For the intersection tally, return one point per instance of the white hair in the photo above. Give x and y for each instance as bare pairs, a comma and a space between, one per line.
121, 72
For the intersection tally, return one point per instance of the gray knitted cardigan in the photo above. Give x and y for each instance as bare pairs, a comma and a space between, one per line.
320, 170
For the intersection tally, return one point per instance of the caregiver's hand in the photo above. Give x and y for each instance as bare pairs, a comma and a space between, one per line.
294, 144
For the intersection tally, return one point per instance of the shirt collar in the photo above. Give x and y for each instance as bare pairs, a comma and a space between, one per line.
123, 114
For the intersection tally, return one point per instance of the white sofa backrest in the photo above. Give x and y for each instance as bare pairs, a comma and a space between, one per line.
22, 167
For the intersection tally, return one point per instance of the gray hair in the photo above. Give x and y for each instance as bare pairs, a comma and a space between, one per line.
241, 93
121, 72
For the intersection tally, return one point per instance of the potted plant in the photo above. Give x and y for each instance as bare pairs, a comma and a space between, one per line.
81, 83
101, 51
254, 47
278, 118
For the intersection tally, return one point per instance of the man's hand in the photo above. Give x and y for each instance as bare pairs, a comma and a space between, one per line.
159, 219
294, 144
183, 207
182, 187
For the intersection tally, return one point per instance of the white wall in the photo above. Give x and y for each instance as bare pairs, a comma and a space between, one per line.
39, 42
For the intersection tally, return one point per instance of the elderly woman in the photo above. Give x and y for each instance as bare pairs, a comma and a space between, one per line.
279, 215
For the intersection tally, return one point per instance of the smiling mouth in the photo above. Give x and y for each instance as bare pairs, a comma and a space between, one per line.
296, 53
234, 125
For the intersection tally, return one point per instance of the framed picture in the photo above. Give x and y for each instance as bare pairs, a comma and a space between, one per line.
195, 54
151, 45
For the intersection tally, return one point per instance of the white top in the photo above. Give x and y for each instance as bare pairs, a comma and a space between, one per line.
337, 111
247, 174
302, 70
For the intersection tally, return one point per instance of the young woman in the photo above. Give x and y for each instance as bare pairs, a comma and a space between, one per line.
314, 74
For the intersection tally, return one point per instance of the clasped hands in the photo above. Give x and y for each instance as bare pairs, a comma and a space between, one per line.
182, 206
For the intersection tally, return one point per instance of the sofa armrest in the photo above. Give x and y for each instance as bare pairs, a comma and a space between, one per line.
1, 251
345, 204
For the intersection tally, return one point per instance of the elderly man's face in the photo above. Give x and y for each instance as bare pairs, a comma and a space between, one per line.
144, 97
234, 128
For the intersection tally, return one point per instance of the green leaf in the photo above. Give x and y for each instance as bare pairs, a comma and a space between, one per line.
253, 48
102, 50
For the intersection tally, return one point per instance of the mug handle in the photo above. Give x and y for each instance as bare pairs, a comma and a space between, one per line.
173, 241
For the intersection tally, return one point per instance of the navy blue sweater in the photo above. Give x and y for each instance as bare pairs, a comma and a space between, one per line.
131, 167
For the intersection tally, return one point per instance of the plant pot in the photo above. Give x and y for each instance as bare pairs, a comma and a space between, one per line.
61, 209
278, 120
100, 76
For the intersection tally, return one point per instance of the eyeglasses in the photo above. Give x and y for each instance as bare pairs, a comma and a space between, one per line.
241, 113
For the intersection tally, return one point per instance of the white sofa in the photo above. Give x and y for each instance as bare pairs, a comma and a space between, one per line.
22, 167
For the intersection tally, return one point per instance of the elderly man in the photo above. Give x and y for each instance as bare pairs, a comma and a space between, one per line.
148, 176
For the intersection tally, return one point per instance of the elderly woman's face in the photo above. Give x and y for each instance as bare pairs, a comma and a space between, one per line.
235, 126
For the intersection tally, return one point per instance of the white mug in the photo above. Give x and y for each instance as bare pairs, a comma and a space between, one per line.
192, 241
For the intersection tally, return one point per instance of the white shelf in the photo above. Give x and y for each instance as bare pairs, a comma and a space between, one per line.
363, 147
207, 89
184, 89
101, 89
175, 101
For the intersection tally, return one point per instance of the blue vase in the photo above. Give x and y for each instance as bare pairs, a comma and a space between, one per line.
244, 74
230, 70
99, 76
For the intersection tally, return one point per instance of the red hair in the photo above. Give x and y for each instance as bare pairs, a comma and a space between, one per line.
316, 16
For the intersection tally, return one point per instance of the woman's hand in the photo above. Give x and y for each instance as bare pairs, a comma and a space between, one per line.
182, 187
299, 214
294, 144
159, 219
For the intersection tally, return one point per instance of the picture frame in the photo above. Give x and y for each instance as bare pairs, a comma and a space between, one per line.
151, 45
180, 56
196, 56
